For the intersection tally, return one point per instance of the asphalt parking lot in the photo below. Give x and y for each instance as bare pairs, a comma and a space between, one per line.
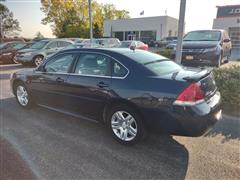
57, 146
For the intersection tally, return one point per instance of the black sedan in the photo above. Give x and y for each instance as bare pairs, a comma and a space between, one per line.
131, 91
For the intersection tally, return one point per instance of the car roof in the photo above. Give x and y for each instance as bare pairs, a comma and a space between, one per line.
109, 51
213, 30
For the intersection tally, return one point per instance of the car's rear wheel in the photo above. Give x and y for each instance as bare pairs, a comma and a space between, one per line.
126, 125
22, 95
38, 60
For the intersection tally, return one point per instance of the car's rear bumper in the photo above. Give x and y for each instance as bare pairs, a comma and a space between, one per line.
185, 120
200, 59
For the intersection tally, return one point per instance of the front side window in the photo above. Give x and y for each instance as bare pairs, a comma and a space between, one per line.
39, 45
93, 65
60, 64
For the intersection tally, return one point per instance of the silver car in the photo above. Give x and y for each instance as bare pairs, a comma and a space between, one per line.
38, 51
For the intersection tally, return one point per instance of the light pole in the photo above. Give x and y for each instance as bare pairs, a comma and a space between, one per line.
90, 19
180, 31
1, 29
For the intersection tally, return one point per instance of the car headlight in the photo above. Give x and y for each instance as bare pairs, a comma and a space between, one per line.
210, 49
6, 54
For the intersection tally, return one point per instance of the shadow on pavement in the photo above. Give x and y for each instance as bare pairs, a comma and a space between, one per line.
12, 165
61, 146
227, 127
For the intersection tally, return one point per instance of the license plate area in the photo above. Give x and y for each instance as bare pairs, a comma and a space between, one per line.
189, 57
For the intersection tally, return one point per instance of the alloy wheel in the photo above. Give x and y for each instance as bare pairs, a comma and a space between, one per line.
124, 125
22, 95
38, 61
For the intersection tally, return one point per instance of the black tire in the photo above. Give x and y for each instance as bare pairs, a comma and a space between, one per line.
140, 133
219, 62
30, 103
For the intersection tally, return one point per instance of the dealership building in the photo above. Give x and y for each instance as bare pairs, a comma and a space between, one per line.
144, 29
228, 18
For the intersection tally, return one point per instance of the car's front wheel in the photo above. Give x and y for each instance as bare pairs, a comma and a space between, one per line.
126, 125
22, 95
219, 63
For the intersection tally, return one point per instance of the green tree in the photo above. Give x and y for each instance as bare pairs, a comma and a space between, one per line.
96, 31
8, 25
70, 18
39, 35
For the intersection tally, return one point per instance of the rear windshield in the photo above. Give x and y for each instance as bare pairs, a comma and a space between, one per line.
203, 36
157, 64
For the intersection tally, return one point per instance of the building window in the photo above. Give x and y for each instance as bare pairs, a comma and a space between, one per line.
119, 35
147, 36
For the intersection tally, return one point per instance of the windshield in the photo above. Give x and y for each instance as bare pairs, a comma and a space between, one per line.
203, 36
39, 45
19, 46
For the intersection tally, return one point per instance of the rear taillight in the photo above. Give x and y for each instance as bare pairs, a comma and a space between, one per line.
191, 95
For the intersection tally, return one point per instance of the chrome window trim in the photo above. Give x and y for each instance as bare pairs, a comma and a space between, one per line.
86, 75
73, 74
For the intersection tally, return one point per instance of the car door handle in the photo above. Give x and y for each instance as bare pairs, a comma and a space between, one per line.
59, 80
102, 85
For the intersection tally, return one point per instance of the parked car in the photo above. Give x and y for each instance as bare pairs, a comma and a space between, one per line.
172, 44
8, 51
39, 50
138, 44
165, 41
108, 42
132, 92
206, 47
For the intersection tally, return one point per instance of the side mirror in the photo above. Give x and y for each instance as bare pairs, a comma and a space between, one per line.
226, 40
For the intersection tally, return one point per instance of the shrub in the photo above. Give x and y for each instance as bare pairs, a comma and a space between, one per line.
164, 52
228, 82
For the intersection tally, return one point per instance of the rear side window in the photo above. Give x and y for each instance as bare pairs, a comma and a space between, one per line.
162, 67
52, 45
63, 44
93, 65
118, 70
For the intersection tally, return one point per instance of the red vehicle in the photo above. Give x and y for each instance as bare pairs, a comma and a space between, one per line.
8, 51
138, 44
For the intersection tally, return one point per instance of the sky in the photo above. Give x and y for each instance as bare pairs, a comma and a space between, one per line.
199, 13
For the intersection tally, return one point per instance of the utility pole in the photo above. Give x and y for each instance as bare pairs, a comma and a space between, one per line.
180, 31
90, 19
1, 29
